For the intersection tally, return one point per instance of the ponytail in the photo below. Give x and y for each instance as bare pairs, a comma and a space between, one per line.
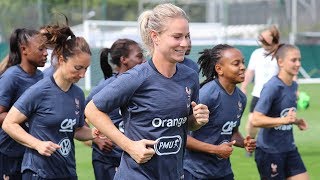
4, 64
65, 43
104, 63
18, 37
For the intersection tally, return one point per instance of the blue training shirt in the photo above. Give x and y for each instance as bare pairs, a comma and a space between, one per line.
53, 115
225, 113
49, 71
153, 107
191, 64
276, 99
115, 117
14, 81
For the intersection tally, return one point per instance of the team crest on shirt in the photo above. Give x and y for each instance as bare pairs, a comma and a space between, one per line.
77, 103
240, 106
274, 171
188, 91
240, 109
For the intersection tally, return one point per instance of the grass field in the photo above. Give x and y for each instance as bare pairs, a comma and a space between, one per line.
245, 168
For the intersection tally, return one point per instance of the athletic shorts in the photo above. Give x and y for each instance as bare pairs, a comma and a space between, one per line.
10, 166
30, 175
253, 104
279, 165
189, 176
105, 169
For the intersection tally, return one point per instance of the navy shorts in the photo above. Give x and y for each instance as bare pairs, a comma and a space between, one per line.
253, 104
104, 167
30, 175
279, 165
10, 166
189, 176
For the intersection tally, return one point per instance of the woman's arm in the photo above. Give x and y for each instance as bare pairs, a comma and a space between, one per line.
237, 136
249, 74
3, 114
140, 151
223, 150
11, 125
248, 143
261, 120
84, 133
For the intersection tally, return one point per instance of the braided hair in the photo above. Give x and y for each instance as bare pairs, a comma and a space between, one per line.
208, 61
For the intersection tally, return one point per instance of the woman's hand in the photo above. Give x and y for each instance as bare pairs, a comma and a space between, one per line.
141, 151
302, 124
201, 113
225, 149
249, 144
46, 148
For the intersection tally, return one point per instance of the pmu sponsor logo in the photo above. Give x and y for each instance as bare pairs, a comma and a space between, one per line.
67, 125
228, 127
158, 122
284, 113
168, 145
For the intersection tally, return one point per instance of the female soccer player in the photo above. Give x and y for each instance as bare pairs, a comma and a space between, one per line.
125, 54
54, 109
261, 68
157, 101
209, 148
277, 156
27, 52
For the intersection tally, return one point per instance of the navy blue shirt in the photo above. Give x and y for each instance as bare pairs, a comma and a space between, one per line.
14, 81
153, 107
115, 116
53, 115
225, 113
191, 64
275, 101
49, 71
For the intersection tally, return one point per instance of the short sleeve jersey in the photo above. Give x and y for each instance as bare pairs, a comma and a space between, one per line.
53, 115
191, 64
114, 115
153, 107
225, 113
14, 81
264, 69
275, 101
48, 72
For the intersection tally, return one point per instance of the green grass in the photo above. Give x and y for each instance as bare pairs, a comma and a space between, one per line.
245, 168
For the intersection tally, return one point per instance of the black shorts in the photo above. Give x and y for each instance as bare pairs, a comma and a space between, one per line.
279, 165
10, 166
105, 168
30, 175
253, 104
189, 176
